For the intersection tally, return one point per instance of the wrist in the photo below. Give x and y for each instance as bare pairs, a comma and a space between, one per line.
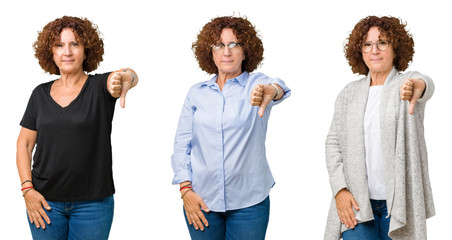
184, 183
184, 192
276, 90
133, 75
25, 190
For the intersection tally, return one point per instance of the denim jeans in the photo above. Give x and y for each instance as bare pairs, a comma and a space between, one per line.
376, 229
243, 224
81, 220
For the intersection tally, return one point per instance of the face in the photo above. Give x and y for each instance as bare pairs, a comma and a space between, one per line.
377, 60
228, 60
68, 53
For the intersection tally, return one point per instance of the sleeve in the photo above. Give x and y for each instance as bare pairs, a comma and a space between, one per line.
429, 88
29, 118
334, 159
103, 78
180, 160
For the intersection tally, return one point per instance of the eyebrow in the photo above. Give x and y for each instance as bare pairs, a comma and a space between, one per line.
69, 41
226, 43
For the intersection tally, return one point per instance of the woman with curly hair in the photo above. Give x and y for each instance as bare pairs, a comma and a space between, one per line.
375, 150
69, 191
219, 150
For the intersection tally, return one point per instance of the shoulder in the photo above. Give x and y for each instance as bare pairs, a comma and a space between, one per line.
410, 74
98, 79
261, 78
42, 88
99, 76
258, 76
206, 83
352, 87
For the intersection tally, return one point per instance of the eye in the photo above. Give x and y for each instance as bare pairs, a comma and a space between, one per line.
367, 44
75, 44
383, 43
232, 45
59, 45
217, 46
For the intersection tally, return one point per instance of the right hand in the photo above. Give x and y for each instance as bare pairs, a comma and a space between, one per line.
35, 203
262, 95
118, 85
192, 205
344, 203
411, 90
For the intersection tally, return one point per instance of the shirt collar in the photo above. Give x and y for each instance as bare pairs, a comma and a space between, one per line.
241, 79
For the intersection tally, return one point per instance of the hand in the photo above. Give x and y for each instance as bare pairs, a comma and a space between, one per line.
34, 202
118, 85
192, 205
344, 203
411, 90
261, 96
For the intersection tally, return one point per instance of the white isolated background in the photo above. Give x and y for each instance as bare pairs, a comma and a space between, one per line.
303, 43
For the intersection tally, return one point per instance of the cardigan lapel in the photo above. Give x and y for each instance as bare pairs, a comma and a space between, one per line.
356, 155
389, 108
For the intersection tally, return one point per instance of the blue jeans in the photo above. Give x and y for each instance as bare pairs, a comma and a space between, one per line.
243, 224
81, 220
373, 230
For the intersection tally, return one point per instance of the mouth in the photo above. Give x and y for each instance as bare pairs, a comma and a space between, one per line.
376, 59
68, 61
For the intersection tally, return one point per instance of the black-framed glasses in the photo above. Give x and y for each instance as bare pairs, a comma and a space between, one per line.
219, 47
382, 45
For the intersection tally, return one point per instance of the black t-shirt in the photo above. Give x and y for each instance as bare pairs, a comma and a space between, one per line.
73, 159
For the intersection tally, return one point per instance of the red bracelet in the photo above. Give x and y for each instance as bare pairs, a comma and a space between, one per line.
182, 188
26, 188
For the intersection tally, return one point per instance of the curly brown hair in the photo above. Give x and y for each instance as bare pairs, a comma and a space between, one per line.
245, 34
392, 29
86, 34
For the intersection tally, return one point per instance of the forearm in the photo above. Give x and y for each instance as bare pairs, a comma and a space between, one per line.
429, 88
23, 161
25, 144
335, 165
333, 152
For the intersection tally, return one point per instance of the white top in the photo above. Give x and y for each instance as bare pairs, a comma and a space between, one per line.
372, 143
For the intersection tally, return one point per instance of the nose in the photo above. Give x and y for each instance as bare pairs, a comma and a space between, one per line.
374, 50
226, 51
67, 50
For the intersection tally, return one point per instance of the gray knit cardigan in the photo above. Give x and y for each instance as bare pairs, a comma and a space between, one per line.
408, 192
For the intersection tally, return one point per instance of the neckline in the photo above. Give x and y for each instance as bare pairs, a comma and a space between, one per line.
61, 108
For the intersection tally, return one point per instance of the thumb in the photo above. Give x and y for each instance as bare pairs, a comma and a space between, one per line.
124, 89
45, 204
416, 95
204, 206
262, 108
122, 100
265, 101
411, 107
355, 204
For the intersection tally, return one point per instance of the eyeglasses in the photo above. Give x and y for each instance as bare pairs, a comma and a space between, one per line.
381, 45
233, 46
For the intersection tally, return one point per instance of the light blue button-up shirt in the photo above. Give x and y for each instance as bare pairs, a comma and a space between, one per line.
220, 143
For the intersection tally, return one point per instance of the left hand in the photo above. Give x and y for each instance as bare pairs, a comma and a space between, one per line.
261, 96
411, 90
118, 85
